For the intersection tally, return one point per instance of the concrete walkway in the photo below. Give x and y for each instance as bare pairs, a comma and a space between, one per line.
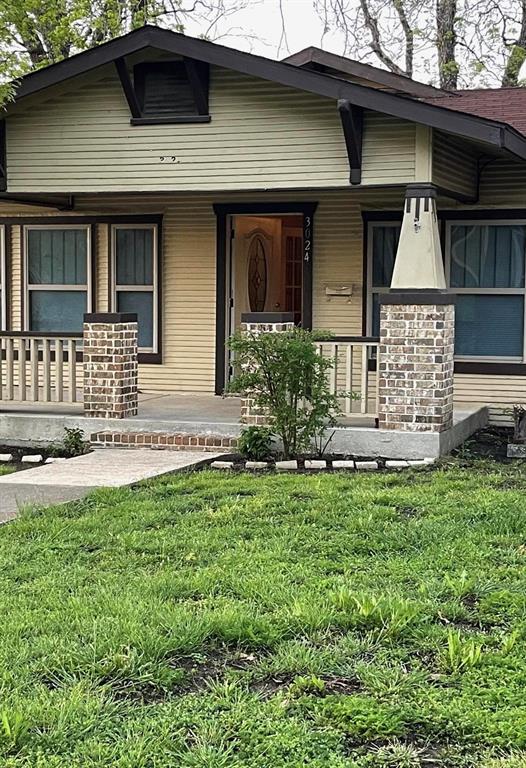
74, 478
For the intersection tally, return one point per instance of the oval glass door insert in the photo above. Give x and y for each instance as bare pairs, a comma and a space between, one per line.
257, 274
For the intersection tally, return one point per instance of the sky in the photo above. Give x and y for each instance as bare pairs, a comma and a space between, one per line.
259, 28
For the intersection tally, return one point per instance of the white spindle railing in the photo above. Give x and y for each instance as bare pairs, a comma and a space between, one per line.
354, 371
39, 367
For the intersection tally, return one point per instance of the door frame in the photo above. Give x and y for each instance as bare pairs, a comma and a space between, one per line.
223, 211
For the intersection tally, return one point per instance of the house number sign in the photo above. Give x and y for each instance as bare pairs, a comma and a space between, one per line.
307, 237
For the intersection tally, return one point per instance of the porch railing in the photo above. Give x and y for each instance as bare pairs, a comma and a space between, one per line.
354, 371
40, 367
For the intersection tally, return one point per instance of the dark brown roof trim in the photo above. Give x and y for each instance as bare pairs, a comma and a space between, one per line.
498, 135
318, 57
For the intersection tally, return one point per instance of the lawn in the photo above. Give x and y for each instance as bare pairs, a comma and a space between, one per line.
214, 621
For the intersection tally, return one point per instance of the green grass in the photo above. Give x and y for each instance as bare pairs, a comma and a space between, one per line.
5, 470
210, 621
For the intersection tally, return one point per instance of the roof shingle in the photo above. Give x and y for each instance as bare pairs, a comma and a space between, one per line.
507, 105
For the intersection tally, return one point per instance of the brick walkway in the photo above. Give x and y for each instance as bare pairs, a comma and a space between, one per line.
74, 478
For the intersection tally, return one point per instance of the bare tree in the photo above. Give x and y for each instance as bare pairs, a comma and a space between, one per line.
454, 43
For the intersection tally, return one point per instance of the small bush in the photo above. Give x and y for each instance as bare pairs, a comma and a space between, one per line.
287, 377
73, 444
255, 443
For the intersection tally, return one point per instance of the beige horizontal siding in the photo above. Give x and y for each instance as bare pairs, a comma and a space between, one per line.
503, 183
454, 164
261, 135
388, 155
500, 393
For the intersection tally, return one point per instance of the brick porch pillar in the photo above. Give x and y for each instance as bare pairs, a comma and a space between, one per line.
110, 365
255, 323
417, 327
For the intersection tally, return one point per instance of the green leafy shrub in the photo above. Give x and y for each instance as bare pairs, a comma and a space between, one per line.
287, 377
255, 443
73, 444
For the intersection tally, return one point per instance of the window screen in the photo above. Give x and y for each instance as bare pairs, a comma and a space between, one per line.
135, 284
57, 278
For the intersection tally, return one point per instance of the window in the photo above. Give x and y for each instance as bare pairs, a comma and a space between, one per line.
165, 91
57, 268
383, 242
485, 268
3, 282
135, 277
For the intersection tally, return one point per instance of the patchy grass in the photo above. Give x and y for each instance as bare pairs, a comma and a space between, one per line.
210, 621
5, 469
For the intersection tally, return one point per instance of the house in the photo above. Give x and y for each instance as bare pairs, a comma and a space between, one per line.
191, 183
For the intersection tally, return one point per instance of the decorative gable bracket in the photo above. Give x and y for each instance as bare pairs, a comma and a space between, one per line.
352, 125
197, 74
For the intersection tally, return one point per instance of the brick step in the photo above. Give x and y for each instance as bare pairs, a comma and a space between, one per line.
162, 440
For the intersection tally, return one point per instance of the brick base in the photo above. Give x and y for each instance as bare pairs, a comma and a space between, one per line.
416, 367
110, 367
162, 440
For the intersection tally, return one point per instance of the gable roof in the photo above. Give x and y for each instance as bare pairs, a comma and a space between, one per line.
320, 60
506, 104
494, 133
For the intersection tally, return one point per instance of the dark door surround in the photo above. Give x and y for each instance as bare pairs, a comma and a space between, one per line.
222, 211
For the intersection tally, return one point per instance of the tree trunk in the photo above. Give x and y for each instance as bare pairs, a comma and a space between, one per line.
446, 11
517, 55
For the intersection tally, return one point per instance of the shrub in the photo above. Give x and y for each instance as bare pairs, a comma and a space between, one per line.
73, 444
286, 376
255, 443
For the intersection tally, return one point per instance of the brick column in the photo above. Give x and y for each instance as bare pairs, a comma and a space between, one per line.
255, 323
417, 326
417, 336
110, 365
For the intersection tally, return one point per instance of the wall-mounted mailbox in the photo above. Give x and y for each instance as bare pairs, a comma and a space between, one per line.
338, 290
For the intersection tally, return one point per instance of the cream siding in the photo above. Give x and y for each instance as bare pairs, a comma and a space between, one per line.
261, 135
388, 154
454, 164
503, 183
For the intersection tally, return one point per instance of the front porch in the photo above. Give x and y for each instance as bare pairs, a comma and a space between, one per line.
215, 420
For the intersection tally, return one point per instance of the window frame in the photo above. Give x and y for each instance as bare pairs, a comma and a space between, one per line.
147, 354
28, 287
448, 223
3, 278
371, 289
485, 291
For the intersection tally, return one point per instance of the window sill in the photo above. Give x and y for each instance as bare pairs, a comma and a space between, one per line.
170, 120
490, 369
149, 358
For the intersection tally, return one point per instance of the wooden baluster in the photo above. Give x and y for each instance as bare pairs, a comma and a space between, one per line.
72, 371
59, 383
377, 394
46, 372
348, 379
9, 360
21, 369
333, 351
365, 381
33, 367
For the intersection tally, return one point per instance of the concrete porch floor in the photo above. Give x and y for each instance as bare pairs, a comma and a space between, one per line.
201, 414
